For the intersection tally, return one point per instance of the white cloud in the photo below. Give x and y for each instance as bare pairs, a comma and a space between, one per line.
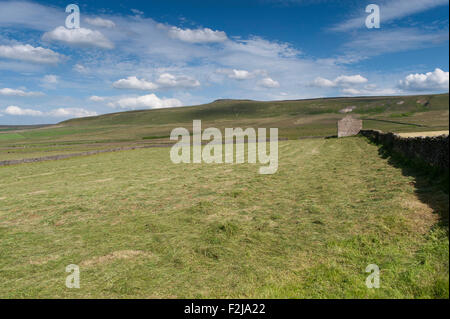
345, 80
15, 110
240, 74
389, 11
236, 74
369, 90
95, 98
268, 83
17, 92
80, 36
60, 112
353, 85
30, 15
165, 80
99, 22
150, 101
351, 91
368, 44
204, 35
80, 68
26, 52
430, 81
137, 12
323, 83
260, 47
50, 78
71, 112
340, 81
132, 82
49, 81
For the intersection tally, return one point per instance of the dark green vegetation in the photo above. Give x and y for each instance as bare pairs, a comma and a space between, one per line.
140, 226
294, 119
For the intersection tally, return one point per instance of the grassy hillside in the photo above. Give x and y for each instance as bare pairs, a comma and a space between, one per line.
246, 109
294, 119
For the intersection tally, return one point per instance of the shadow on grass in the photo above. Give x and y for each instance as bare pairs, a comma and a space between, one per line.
431, 184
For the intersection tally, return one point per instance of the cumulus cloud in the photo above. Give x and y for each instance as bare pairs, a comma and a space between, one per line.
340, 81
323, 83
204, 35
95, 98
99, 22
239, 74
132, 82
150, 101
165, 80
17, 92
269, 83
71, 112
16, 110
60, 112
345, 80
50, 79
430, 81
369, 90
80, 36
236, 74
26, 52
353, 85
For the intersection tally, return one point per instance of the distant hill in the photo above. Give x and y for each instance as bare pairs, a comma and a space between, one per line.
399, 106
294, 119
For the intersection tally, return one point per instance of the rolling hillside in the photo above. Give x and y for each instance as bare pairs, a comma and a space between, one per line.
294, 119
237, 110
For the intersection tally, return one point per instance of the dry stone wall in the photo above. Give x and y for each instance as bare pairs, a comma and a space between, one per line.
431, 150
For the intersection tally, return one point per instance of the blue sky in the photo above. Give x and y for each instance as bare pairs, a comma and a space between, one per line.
156, 54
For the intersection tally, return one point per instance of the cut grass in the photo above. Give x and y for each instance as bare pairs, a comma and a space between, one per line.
423, 134
140, 226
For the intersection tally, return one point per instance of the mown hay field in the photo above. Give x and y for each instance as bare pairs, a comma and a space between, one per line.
140, 226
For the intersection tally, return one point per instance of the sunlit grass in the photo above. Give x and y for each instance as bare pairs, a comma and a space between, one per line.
140, 226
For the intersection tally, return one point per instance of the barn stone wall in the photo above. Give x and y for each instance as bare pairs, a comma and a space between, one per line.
349, 126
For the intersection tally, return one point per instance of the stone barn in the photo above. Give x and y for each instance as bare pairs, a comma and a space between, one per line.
349, 126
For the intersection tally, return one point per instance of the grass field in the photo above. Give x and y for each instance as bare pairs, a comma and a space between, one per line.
423, 134
140, 226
